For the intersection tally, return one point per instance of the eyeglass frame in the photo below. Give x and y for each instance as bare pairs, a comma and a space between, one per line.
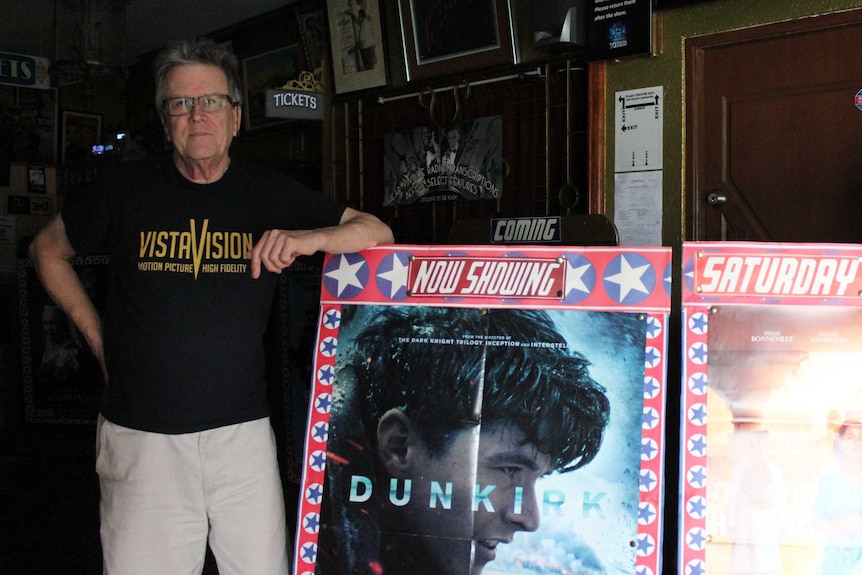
196, 102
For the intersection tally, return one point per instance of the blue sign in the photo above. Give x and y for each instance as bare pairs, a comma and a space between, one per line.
23, 70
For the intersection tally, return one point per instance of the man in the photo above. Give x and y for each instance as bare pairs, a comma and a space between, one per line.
451, 153
464, 410
185, 451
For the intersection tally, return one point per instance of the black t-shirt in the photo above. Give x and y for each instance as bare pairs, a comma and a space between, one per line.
184, 324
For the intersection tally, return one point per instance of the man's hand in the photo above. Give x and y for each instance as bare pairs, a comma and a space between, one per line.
277, 249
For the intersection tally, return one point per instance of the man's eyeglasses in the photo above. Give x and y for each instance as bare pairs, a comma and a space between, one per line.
208, 103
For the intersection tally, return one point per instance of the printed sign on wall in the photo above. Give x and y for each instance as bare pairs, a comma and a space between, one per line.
487, 410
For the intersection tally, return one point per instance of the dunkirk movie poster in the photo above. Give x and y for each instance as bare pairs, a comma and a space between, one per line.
444, 163
450, 436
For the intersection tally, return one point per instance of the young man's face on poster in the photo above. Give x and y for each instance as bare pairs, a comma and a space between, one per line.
493, 474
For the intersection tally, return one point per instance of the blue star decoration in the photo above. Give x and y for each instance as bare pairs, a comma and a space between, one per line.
320, 432
645, 545
698, 323
698, 383
696, 507
326, 375
697, 414
696, 539
651, 357
643, 570
696, 476
317, 461
653, 328
629, 279
332, 319
646, 513
651, 387
697, 353
346, 275
649, 449
697, 445
308, 553
323, 403
695, 568
314, 493
392, 275
650, 418
311, 523
648, 480
328, 346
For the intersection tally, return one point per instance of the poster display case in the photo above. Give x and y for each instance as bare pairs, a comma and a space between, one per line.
493, 409
771, 408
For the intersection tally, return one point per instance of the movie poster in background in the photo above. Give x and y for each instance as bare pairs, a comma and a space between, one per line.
610, 305
444, 162
62, 379
773, 405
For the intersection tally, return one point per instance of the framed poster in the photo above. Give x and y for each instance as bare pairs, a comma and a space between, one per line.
444, 162
481, 408
312, 28
80, 132
357, 46
265, 71
62, 378
447, 38
772, 408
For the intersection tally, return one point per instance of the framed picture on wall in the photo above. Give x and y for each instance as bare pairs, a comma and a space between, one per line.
80, 132
441, 40
267, 71
357, 46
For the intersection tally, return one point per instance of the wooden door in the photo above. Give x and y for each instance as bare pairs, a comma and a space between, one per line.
774, 137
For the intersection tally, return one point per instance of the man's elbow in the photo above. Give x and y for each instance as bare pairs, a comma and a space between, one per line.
50, 242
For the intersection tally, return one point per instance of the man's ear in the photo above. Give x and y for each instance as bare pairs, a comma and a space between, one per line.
394, 437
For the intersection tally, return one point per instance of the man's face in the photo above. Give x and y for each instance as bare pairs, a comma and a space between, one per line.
198, 136
497, 457
453, 136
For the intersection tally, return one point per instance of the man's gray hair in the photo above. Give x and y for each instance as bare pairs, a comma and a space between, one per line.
203, 51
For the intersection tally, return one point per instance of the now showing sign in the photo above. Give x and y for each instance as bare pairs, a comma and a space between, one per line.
23, 70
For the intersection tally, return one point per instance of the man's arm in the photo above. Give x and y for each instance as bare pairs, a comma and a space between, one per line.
355, 232
50, 252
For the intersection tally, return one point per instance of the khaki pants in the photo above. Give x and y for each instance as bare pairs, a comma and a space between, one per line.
163, 497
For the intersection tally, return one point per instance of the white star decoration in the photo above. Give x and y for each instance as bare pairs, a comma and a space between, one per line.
629, 278
346, 274
397, 276
575, 278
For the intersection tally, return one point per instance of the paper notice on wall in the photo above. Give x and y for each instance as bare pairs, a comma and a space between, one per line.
637, 208
639, 120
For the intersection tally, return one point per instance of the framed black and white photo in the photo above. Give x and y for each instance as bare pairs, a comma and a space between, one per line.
357, 46
441, 40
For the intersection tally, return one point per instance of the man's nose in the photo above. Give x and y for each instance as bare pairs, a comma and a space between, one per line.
196, 113
524, 513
